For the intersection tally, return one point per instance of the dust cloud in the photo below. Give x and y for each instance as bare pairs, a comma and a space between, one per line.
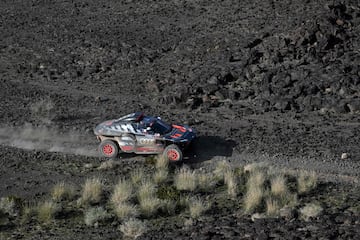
48, 139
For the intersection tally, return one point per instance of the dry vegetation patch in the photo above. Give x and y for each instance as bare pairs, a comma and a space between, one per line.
306, 181
272, 207
161, 162
62, 191
137, 176
310, 210
123, 191
185, 179
206, 181
126, 210
220, 169
197, 206
148, 201
92, 191
231, 183
47, 211
160, 175
93, 216
133, 228
278, 186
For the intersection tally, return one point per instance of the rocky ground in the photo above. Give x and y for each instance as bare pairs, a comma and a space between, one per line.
274, 81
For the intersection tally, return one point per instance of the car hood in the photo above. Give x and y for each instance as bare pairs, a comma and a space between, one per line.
180, 133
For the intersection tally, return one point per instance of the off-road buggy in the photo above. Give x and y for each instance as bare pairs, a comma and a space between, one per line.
140, 134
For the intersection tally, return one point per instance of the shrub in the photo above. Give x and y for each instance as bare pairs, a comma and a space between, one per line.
47, 211
62, 191
95, 215
92, 191
133, 228
306, 181
161, 162
253, 198
272, 207
137, 176
310, 210
126, 210
197, 206
185, 179
160, 175
123, 191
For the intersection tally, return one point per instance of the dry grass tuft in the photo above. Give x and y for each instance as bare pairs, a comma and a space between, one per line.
221, 168
185, 179
148, 201
92, 191
278, 186
123, 191
231, 183
161, 162
47, 211
126, 210
149, 206
311, 210
160, 175
62, 191
256, 179
255, 191
95, 215
147, 189
306, 181
137, 176
29, 210
205, 181
133, 228
272, 207
197, 207
253, 198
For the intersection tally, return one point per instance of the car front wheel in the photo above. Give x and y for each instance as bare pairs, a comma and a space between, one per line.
173, 153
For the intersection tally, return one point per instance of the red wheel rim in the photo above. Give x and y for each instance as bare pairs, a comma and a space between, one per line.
108, 149
173, 155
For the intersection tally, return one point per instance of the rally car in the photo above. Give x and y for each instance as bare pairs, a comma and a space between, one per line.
140, 134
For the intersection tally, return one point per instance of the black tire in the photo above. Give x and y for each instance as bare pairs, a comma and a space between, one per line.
109, 149
173, 153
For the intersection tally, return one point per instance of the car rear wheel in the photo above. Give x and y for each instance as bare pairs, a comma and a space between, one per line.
173, 153
108, 149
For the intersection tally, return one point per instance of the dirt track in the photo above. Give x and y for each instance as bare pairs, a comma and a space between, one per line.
262, 80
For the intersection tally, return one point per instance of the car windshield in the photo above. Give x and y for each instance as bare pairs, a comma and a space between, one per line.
161, 127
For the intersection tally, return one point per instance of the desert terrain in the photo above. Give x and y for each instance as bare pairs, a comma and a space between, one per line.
274, 83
